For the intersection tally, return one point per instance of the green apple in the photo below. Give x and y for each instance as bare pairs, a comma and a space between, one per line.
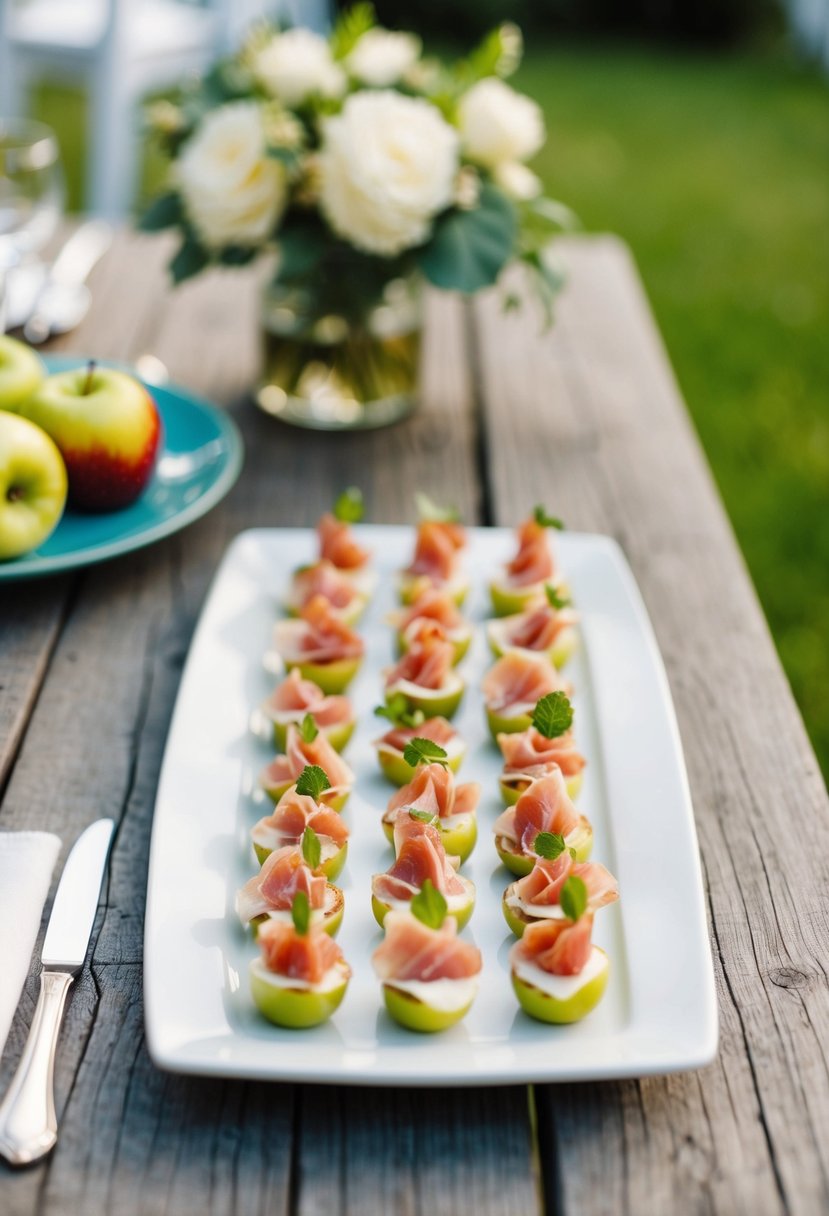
414, 1014
546, 1008
107, 428
21, 373
296, 1008
32, 486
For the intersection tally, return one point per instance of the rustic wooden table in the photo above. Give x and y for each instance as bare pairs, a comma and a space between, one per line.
588, 419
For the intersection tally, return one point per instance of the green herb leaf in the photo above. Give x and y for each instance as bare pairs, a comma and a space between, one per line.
350, 26
469, 248
549, 845
312, 781
573, 898
553, 715
301, 913
398, 713
191, 258
308, 729
311, 847
424, 751
163, 212
429, 906
349, 508
423, 816
433, 512
554, 599
546, 521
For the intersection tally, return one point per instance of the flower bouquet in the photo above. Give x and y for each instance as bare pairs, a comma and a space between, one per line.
365, 168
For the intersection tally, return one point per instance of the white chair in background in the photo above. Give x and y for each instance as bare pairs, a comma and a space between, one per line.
120, 50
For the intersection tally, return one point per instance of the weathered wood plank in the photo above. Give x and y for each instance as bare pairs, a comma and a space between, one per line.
589, 420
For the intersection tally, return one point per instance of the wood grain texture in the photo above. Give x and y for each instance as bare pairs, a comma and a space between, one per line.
588, 420
133, 1139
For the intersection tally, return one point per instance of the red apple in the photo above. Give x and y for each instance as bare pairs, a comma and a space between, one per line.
107, 428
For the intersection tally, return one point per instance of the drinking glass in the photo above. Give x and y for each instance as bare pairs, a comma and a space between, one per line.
31, 193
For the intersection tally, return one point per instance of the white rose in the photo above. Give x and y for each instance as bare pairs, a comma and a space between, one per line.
381, 56
497, 124
517, 180
233, 192
388, 165
295, 65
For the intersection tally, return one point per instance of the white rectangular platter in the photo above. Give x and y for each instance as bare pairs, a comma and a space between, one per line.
659, 1013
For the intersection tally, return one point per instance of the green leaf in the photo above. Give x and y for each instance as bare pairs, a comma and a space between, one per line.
301, 913
163, 212
302, 246
549, 845
554, 599
498, 54
349, 507
553, 715
237, 255
312, 781
350, 27
573, 898
423, 816
398, 713
469, 248
311, 848
308, 729
424, 751
429, 906
191, 258
546, 521
433, 512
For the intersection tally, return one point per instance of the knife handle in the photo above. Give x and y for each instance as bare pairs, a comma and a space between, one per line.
28, 1124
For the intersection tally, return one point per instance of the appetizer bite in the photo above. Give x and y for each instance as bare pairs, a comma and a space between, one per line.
408, 725
436, 562
306, 745
432, 608
430, 976
543, 807
426, 678
420, 855
300, 808
295, 697
547, 629
270, 894
538, 896
557, 973
546, 745
301, 976
342, 594
513, 687
336, 539
320, 645
432, 791
522, 581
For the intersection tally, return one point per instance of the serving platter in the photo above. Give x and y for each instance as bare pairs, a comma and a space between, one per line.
659, 1013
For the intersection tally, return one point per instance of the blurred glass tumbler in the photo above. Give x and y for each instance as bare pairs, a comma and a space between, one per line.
31, 193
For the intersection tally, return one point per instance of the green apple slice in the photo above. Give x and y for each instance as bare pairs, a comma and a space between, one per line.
300, 1006
417, 1014
457, 906
335, 797
399, 772
509, 600
507, 724
338, 734
329, 918
331, 865
440, 702
561, 651
460, 639
413, 585
576, 999
458, 834
521, 863
332, 677
513, 786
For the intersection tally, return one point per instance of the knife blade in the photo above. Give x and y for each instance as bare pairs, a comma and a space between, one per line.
28, 1123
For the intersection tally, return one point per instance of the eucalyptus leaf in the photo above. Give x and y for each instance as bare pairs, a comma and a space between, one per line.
469, 248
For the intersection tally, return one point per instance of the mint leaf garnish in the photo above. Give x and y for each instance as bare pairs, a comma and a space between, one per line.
424, 751
430, 511
398, 713
554, 599
311, 847
429, 906
301, 913
553, 715
308, 729
573, 898
423, 816
312, 781
546, 521
549, 845
349, 506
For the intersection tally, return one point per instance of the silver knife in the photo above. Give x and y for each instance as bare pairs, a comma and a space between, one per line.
63, 299
28, 1124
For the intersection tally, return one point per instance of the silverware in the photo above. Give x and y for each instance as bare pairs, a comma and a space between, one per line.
28, 1123
64, 298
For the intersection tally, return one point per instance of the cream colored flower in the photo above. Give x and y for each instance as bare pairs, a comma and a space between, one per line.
297, 64
388, 166
517, 180
380, 57
234, 194
498, 125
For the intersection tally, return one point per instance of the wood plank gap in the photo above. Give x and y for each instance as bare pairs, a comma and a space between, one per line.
480, 430
547, 1176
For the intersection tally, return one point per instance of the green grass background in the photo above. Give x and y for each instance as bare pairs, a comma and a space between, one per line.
715, 168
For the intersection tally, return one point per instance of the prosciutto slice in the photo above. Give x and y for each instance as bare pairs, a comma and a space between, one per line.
305, 957
294, 813
437, 729
413, 951
299, 754
543, 807
283, 873
420, 855
326, 580
436, 550
321, 636
543, 885
533, 563
528, 753
559, 947
427, 664
434, 605
297, 696
338, 546
538, 628
514, 684
433, 789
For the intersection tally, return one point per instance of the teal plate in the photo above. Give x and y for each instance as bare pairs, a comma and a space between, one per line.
192, 428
